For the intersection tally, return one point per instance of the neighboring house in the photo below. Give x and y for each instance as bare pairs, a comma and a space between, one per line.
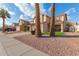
22, 25
72, 29
76, 27
59, 22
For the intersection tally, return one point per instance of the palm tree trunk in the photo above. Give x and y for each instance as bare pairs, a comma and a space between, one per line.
3, 24
37, 20
52, 22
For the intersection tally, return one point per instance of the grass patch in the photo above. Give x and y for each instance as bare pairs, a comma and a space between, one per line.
56, 33
45, 33
59, 33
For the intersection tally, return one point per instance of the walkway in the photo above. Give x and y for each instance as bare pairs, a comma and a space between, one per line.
12, 47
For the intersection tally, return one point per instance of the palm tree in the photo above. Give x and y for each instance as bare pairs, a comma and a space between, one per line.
4, 14
52, 22
37, 20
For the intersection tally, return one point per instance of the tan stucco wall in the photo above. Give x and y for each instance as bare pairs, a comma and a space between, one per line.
44, 20
17, 28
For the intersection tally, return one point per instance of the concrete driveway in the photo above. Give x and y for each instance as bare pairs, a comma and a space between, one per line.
12, 47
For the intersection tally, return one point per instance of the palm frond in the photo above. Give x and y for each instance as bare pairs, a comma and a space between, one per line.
4, 13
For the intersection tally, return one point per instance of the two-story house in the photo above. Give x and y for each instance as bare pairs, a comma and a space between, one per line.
60, 21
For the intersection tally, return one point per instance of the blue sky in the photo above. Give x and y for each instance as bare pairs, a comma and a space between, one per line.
71, 9
26, 11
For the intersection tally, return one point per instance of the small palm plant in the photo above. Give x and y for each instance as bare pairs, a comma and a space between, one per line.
4, 14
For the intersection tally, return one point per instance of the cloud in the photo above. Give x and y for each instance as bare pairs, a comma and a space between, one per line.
29, 9
7, 22
70, 11
69, 18
26, 9
32, 4
10, 12
22, 17
42, 9
4, 7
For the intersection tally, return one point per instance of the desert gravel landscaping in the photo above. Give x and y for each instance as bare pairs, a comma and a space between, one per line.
57, 46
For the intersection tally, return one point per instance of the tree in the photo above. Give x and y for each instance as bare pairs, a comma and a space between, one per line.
37, 20
4, 14
52, 22
68, 25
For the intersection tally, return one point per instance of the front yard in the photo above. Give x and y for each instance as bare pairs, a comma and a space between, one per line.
56, 33
56, 46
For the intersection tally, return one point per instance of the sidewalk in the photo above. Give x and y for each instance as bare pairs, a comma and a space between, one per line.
11, 47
